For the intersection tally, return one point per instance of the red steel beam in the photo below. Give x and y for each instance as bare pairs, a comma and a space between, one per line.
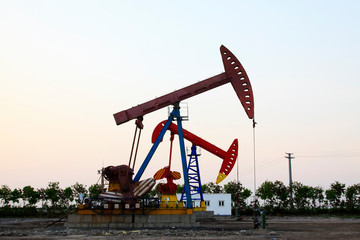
234, 73
229, 157
171, 98
195, 140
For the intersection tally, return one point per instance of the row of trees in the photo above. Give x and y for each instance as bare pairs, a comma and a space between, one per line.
274, 197
278, 198
49, 201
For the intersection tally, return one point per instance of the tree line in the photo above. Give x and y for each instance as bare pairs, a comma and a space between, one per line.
272, 196
49, 202
300, 198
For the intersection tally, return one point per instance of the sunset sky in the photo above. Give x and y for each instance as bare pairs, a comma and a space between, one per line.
67, 66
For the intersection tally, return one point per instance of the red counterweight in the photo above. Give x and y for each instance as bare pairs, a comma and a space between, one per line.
169, 187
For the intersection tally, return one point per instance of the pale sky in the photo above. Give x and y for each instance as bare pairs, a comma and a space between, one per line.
67, 66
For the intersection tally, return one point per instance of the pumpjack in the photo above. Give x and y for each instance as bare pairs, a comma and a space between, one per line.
168, 190
126, 189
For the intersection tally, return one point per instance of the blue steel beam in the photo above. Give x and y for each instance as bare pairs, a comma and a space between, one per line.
194, 176
183, 159
174, 114
153, 149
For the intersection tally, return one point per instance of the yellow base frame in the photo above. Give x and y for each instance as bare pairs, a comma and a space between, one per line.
137, 212
168, 205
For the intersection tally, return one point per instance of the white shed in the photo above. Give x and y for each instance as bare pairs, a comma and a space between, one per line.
220, 203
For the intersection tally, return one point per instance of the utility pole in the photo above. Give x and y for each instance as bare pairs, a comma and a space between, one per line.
290, 176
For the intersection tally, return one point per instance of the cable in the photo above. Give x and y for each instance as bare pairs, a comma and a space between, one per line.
254, 149
254, 157
256, 221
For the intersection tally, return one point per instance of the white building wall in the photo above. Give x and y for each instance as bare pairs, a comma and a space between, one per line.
217, 202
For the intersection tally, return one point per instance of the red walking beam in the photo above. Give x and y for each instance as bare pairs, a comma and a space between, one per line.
229, 157
234, 73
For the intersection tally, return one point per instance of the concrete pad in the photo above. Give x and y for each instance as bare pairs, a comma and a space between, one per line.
129, 221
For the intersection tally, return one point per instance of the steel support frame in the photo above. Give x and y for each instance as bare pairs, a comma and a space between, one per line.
174, 114
194, 176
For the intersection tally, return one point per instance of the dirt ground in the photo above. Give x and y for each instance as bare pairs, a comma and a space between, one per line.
277, 228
